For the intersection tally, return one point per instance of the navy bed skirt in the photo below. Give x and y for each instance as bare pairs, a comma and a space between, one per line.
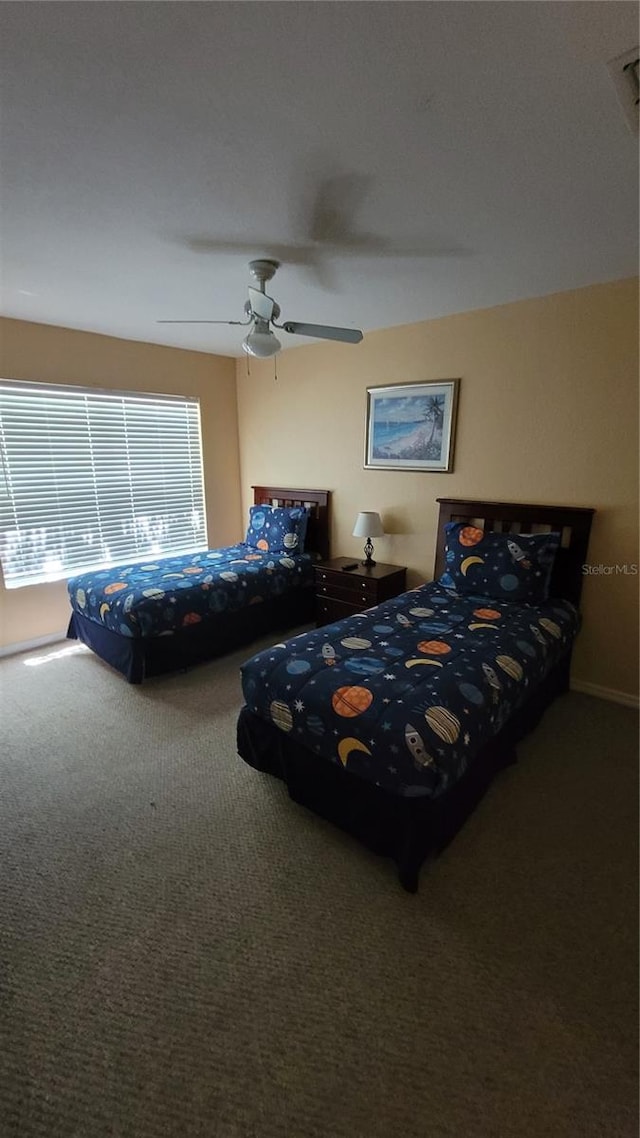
405, 829
139, 658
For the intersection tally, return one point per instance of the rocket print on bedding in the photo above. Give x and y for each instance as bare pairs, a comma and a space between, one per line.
157, 598
403, 694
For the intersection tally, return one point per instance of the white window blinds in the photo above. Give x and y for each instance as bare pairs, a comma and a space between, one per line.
90, 479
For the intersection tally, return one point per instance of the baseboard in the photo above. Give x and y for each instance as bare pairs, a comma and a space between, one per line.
27, 645
623, 697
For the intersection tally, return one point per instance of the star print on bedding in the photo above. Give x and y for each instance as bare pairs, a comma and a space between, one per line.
158, 598
510, 567
403, 694
277, 529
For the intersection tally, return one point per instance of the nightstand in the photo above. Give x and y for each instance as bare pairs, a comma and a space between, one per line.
341, 593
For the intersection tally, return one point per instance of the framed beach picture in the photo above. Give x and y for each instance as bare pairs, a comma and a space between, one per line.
411, 426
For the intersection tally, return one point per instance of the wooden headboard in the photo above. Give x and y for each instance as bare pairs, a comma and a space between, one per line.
316, 501
572, 522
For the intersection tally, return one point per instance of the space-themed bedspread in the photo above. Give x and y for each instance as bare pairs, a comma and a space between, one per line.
158, 598
405, 694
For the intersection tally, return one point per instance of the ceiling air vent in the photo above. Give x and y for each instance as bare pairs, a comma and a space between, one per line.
624, 72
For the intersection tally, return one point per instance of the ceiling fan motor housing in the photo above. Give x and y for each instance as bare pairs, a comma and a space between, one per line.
248, 311
262, 311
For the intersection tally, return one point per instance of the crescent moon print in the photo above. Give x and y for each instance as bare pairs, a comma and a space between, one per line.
153, 599
346, 747
406, 705
468, 562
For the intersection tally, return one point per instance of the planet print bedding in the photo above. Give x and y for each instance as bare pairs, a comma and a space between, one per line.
160, 598
403, 696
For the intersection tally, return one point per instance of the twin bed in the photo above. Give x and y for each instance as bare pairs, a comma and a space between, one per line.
390, 723
163, 616
393, 722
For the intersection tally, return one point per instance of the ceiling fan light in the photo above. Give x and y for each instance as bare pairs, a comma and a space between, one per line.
262, 345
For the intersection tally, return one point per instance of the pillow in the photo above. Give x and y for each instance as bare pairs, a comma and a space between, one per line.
504, 566
277, 529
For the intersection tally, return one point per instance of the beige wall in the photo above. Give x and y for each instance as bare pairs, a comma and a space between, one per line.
59, 355
548, 412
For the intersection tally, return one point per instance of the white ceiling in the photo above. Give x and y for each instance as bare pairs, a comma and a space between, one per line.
133, 133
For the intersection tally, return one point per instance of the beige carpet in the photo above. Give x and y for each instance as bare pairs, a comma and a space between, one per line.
187, 953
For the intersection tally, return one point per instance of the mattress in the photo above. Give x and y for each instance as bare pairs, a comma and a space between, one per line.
405, 694
158, 598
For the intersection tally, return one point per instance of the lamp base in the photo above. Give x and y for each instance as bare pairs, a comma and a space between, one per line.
368, 550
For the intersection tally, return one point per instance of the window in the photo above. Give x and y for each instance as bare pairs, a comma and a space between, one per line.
90, 479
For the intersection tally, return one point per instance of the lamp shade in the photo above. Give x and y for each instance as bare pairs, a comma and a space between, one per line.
368, 524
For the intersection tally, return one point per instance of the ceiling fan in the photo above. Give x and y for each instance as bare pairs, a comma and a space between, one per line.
262, 313
324, 216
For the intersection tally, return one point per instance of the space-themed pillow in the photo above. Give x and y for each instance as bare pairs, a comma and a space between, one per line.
506, 567
277, 529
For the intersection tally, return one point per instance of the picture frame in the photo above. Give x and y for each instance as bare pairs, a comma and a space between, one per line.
411, 426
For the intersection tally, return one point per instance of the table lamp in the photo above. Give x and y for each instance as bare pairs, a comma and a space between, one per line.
368, 525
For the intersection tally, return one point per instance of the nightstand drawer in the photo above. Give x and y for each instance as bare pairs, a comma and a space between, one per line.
342, 592
329, 609
350, 590
334, 578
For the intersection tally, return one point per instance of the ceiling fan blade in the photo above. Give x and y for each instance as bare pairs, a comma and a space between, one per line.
261, 304
241, 322
368, 245
323, 332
